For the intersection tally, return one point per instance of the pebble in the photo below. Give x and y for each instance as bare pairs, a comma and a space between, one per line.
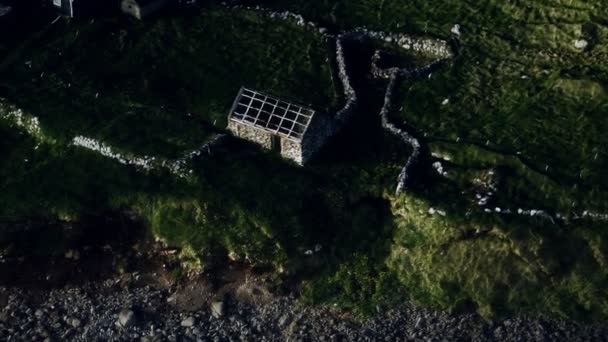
283, 320
126, 318
581, 44
217, 309
39, 313
75, 322
188, 322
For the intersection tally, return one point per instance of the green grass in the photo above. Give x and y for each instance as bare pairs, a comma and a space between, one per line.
519, 85
377, 248
163, 87
499, 265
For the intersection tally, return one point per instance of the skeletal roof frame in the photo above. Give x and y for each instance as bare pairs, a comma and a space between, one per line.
271, 114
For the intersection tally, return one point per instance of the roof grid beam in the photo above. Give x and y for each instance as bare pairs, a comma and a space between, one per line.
271, 114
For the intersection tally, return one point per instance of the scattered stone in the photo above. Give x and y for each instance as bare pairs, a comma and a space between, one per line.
75, 322
69, 254
188, 322
233, 256
283, 320
217, 309
336, 338
39, 313
126, 318
581, 44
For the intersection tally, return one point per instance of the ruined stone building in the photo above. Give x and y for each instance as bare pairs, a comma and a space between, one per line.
295, 131
142, 8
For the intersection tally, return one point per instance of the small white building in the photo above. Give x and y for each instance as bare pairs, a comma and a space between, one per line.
142, 8
65, 7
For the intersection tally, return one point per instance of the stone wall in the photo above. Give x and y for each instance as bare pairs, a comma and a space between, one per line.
291, 150
396, 78
323, 127
436, 48
413, 159
255, 135
345, 114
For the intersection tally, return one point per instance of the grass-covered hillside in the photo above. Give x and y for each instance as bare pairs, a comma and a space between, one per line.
516, 124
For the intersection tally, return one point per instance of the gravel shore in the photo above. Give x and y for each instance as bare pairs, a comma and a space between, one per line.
111, 310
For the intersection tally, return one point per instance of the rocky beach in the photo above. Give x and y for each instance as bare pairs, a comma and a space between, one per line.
145, 307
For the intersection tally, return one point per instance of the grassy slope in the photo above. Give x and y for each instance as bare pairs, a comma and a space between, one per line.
375, 245
131, 84
162, 87
519, 85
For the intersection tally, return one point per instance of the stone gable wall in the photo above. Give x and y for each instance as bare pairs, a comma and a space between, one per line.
257, 136
291, 150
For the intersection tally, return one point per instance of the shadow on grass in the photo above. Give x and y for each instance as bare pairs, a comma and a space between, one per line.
45, 253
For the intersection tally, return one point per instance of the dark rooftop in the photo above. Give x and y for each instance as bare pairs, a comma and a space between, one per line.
271, 114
